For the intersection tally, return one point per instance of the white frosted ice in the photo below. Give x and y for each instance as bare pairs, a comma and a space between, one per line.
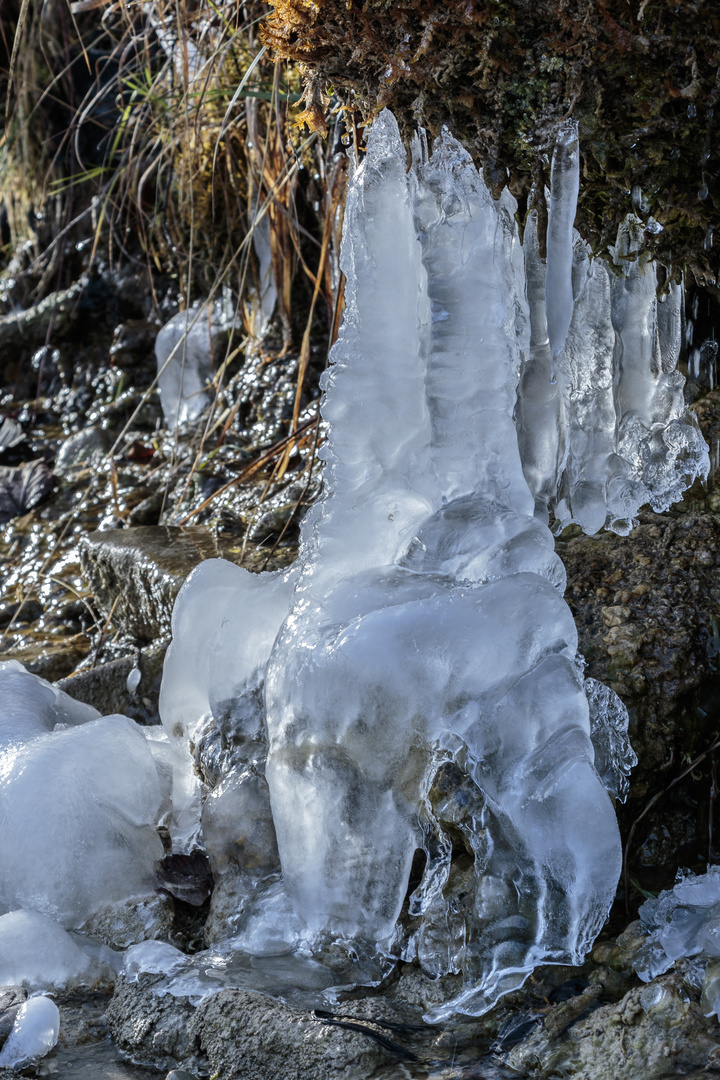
223, 630
34, 1034
187, 349
31, 706
423, 628
35, 952
79, 796
684, 921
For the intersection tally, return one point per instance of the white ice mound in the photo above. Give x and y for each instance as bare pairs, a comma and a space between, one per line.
602, 423
35, 952
79, 796
34, 1034
187, 350
417, 675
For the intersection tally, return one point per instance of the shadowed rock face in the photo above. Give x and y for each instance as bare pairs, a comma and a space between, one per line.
640, 79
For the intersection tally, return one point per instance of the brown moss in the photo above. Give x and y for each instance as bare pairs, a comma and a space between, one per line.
639, 76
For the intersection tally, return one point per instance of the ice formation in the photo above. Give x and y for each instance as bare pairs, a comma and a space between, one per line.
411, 685
413, 680
34, 1033
79, 798
683, 921
35, 952
608, 430
187, 349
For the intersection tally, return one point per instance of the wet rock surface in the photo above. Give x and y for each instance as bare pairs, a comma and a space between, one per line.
654, 1031
248, 1037
107, 689
647, 609
155, 1030
136, 573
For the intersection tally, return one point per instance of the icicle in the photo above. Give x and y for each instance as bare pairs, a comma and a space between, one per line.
540, 409
375, 479
564, 187
587, 374
472, 360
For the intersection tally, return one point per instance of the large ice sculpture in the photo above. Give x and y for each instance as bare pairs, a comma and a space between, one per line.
602, 423
415, 676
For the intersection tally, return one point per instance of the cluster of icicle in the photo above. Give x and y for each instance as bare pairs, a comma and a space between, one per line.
414, 678
602, 423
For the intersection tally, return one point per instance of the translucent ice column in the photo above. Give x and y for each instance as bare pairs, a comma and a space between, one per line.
184, 351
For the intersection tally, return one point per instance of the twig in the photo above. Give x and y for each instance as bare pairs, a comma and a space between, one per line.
250, 469
693, 764
106, 624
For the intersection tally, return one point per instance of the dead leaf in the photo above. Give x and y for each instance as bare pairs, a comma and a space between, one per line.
187, 877
22, 488
11, 433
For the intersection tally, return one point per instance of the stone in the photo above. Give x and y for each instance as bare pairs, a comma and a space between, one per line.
132, 921
247, 1036
137, 572
11, 999
645, 607
83, 450
655, 1030
105, 687
153, 1029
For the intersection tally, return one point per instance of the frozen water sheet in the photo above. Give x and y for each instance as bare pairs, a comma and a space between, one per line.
417, 676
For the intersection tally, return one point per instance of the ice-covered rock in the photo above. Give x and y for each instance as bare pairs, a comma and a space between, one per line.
34, 1034
187, 349
423, 627
152, 957
682, 921
79, 796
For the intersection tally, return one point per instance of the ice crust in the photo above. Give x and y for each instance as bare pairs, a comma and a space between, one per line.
34, 1034
685, 922
79, 796
602, 423
422, 633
